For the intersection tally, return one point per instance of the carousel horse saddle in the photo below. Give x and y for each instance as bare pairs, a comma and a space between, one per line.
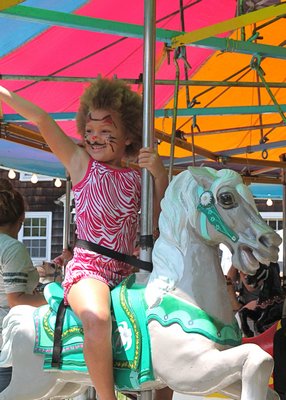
130, 336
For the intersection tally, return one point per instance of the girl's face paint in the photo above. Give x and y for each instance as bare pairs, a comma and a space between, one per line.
104, 138
107, 119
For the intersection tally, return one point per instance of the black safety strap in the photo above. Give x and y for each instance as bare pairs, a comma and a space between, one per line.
131, 260
57, 349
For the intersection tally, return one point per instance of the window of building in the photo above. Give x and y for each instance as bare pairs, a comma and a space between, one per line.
36, 235
273, 219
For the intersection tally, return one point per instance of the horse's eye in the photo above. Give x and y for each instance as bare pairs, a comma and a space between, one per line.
226, 200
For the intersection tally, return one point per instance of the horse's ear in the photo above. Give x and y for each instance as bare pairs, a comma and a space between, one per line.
204, 176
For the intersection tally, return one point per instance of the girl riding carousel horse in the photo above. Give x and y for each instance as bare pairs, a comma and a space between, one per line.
107, 201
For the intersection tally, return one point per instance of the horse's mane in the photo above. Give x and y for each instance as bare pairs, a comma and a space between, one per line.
170, 247
179, 199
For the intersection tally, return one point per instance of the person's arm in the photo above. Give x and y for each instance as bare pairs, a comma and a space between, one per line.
232, 295
149, 159
20, 298
74, 158
231, 279
232, 274
63, 258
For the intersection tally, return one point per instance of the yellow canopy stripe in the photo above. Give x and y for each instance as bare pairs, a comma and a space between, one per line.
9, 3
229, 25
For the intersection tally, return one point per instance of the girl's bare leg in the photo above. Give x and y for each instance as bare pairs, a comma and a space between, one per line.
90, 300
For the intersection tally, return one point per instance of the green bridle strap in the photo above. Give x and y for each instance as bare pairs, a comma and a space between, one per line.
203, 218
209, 212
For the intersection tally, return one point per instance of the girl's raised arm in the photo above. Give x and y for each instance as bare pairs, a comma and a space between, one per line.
61, 145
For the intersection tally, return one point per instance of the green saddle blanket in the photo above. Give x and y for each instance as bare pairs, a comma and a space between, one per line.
130, 336
192, 319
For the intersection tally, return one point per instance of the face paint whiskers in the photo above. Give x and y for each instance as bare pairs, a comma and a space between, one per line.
108, 140
111, 140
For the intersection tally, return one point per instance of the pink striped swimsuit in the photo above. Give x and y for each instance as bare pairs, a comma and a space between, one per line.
107, 203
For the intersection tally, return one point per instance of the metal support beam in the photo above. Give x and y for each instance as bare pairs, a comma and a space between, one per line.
261, 179
253, 148
168, 112
67, 214
235, 110
252, 161
237, 129
135, 81
146, 225
21, 135
262, 171
186, 145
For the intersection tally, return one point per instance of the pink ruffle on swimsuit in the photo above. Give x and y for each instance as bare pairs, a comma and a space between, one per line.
107, 203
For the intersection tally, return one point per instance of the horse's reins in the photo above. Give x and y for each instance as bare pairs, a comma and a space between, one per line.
116, 255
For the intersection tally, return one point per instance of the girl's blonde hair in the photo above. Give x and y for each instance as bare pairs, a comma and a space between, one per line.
114, 95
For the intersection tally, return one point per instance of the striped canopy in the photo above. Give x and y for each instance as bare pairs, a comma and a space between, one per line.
229, 70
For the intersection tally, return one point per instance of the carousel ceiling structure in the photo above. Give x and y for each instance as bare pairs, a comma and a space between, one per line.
220, 80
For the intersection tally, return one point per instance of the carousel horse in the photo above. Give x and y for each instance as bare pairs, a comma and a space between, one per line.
177, 329
267, 309
272, 340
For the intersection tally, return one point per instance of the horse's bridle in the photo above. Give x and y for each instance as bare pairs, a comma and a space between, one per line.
210, 213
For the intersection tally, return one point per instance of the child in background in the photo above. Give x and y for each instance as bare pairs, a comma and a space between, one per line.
18, 276
107, 200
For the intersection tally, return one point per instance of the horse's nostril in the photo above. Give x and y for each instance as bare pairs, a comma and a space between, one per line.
268, 240
264, 240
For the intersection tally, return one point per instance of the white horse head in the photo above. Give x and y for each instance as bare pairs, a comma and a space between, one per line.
202, 204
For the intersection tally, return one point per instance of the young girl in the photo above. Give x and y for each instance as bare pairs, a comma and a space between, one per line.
18, 276
107, 198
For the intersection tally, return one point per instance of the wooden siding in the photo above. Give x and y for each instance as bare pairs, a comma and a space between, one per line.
42, 196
